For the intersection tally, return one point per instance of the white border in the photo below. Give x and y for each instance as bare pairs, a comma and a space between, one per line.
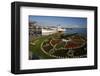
39, 64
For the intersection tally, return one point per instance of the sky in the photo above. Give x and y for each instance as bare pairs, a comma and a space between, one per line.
62, 21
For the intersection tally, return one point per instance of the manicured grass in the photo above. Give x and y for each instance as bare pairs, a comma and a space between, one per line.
60, 45
36, 49
52, 46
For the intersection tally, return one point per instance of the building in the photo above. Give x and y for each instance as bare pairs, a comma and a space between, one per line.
36, 30
51, 30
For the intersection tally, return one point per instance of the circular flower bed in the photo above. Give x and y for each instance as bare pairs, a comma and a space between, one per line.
63, 48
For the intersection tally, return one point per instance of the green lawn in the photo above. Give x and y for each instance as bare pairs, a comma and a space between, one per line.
35, 46
36, 49
60, 45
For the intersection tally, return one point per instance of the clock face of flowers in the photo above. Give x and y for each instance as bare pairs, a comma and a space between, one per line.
52, 37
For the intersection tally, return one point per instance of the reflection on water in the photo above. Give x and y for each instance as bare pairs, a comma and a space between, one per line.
80, 31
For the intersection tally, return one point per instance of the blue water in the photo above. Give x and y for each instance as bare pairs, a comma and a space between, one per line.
80, 31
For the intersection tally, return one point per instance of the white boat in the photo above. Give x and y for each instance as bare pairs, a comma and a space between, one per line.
49, 31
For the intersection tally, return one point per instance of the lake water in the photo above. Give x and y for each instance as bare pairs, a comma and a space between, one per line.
80, 31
